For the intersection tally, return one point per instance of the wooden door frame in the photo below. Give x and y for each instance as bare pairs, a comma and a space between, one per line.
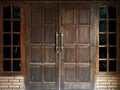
92, 34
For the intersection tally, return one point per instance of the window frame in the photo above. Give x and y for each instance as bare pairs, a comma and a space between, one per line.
117, 39
22, 53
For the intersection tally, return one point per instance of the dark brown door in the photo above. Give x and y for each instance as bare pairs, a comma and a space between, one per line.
76, 57
42, 59
67, 66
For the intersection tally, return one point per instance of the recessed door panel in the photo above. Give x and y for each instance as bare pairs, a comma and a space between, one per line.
49, 34
36, 54
84, 16
69, 54
84, 73
36, 35
36, 74
50, 15
84, 35
70, 73
69, 34
36, 16
83, 54
49, 73
69, 14
49, 55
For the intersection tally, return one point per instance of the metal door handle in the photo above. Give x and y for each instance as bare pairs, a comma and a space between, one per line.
56, 42
61, 41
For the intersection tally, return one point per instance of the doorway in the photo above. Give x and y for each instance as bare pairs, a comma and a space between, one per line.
59, 51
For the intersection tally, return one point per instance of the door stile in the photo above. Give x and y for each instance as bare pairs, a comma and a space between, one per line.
93, 42
60, 54
27, 50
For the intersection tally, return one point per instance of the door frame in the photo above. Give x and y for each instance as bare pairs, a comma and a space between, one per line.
92, 34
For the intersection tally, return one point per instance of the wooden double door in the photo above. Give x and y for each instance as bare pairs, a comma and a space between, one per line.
59, 54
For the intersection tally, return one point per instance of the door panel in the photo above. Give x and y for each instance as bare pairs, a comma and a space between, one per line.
69, 16
69, 34
36, 35
84, 15
76, 56
49, 73
83, 54
36, 54
83, 73
49, 34
70, 73
84, 35
36, 73
69, 54
36, 16
49, 55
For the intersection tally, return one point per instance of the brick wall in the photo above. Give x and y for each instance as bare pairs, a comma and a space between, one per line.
108, 83
12, 83
102, 83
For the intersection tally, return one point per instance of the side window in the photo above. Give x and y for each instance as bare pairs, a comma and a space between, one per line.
107, 39
11, 39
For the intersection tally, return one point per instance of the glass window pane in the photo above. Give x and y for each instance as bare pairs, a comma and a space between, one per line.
6, 26
102, 65
6, 65
16, 39
16, 65
16, 12
112, 12
103, 26
112, 65
112, 26
112, 39
102, 52
112, 52
103, 12
6, 52
16, 52
102, 39
7, 39
16, 26
7, 12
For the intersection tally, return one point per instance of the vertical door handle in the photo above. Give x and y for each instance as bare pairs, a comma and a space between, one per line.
61, 41
57, 41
